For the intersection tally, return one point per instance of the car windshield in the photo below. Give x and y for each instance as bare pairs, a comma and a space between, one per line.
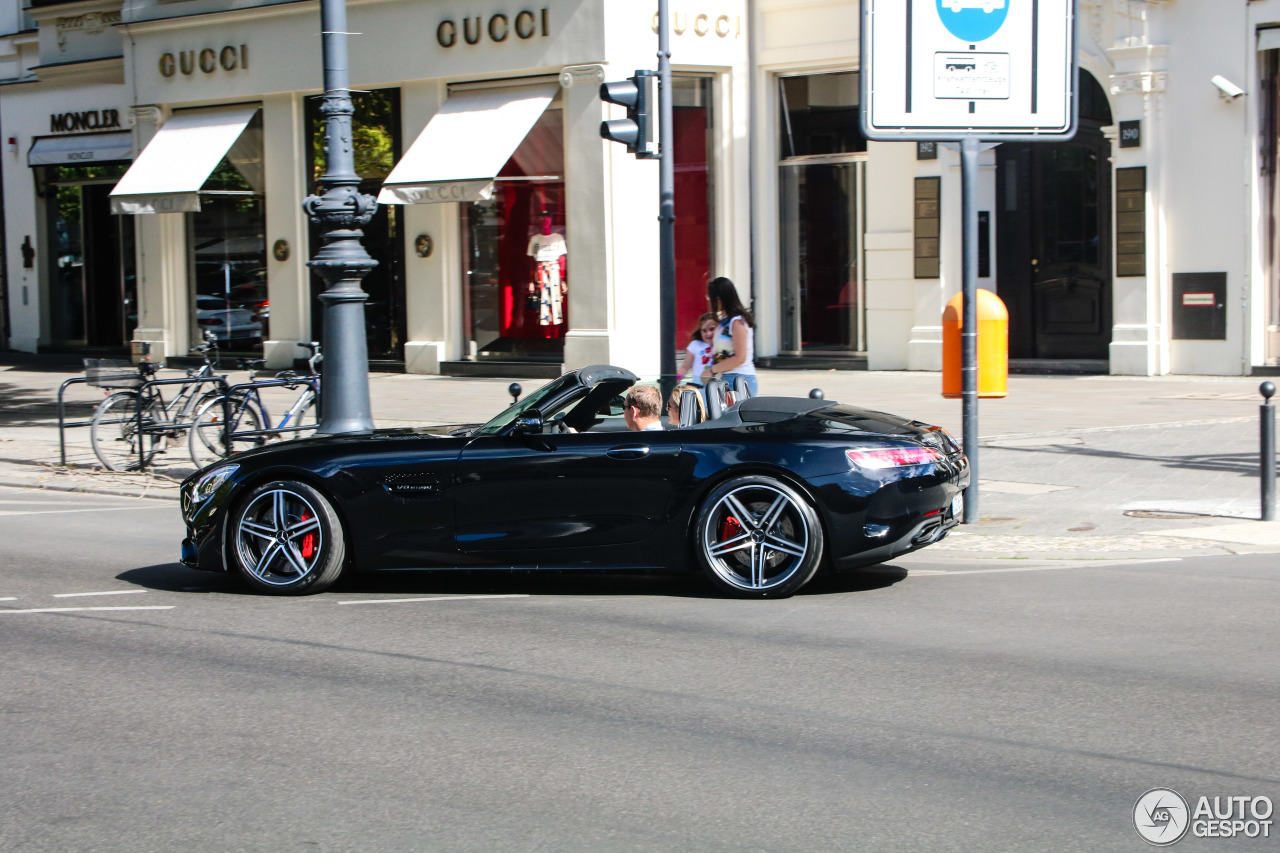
536, 400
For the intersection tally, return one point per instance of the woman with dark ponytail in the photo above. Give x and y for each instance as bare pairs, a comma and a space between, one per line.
733, 345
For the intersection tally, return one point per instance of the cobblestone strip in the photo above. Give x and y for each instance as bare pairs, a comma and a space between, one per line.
979, 543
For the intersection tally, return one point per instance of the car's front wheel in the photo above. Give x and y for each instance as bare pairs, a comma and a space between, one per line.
286, 539
757, 537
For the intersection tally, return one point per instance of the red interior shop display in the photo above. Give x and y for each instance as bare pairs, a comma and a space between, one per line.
550, 263
532, 265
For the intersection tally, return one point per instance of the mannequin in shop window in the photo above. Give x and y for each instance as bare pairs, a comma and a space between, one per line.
547, 289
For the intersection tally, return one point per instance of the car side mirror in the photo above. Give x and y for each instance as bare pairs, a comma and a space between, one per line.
530, 423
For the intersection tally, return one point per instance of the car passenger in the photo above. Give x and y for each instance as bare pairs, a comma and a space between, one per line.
641, 408
673, 404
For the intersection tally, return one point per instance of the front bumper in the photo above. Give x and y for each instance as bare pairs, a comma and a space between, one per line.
203, 546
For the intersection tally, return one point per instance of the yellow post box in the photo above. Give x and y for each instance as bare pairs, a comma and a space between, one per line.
993, 346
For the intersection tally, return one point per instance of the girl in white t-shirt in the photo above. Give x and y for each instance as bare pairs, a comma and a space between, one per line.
733, 346
697, 356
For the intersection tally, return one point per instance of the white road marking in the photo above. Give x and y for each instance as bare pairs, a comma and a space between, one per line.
29, 502
85, 509
112, 592
1073, 564
9, 598
82, 609
436, 598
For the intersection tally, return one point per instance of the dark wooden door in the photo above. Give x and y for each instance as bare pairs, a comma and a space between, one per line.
104, 297
1054, 246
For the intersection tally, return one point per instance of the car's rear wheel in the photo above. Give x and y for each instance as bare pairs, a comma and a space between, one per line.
286, 539
757, 537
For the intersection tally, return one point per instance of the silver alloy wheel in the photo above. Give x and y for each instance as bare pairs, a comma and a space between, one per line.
279, 538
755, 537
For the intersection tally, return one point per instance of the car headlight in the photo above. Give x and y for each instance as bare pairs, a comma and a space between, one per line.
211, 481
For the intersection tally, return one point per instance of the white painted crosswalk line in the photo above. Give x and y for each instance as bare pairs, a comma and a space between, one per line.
4, 612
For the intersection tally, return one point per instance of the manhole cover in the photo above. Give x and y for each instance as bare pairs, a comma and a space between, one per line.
1162, 513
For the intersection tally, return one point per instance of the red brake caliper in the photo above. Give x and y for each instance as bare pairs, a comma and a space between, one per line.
730, 528
308, 541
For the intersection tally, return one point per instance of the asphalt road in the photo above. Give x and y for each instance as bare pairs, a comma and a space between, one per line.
926, 706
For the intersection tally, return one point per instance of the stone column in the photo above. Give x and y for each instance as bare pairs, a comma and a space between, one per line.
285, 137
164, 304
1140, 331
612, 205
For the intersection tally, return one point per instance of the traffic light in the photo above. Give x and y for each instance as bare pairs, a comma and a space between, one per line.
639, 95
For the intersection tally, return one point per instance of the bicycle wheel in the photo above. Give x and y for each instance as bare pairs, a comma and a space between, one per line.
309, 417
207, 439
115, 436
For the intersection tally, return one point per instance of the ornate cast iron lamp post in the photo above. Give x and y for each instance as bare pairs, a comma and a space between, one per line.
342, 262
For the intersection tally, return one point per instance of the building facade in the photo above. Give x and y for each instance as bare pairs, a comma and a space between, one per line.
158, 151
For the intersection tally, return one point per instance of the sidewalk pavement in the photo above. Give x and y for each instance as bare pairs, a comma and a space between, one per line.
1070, 467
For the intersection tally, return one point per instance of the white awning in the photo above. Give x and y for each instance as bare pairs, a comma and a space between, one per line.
465, 144
1269, 39
80, 149
168, 174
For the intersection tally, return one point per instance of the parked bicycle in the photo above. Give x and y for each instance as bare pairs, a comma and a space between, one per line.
240, 421
114, 430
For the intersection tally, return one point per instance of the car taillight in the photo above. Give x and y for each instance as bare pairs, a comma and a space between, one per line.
892, 457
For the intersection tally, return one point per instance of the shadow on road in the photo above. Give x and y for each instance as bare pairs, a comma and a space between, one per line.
1243, 464
175, 577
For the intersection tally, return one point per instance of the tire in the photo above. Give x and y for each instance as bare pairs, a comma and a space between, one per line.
286, 539
757, 537
205, 439
114, 432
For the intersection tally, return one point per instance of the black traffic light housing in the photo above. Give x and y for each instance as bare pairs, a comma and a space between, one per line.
639, 95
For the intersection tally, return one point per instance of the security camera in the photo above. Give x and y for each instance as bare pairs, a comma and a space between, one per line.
1228, 90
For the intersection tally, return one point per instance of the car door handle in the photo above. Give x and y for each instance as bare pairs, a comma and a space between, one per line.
629, 451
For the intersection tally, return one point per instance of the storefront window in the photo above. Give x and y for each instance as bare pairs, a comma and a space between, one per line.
1269, 151
229, 249
821, 178
516, 254
820, 115
90, 257
375, 130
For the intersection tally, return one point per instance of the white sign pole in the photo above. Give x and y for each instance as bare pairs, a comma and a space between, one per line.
965, 70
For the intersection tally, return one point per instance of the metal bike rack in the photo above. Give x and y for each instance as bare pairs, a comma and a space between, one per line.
228, 437
62, 408
165, 426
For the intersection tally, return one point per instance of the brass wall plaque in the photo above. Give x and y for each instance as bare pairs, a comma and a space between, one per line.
928, 209
1131, 221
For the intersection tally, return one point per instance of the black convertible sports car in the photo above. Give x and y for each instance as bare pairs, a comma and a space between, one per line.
759, 497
